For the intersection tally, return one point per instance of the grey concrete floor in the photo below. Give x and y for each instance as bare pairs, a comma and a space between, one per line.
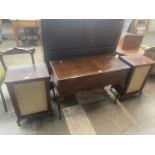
135, 115
131, 116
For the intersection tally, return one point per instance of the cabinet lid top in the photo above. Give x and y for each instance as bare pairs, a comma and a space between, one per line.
137, 60
26, 73
86, 66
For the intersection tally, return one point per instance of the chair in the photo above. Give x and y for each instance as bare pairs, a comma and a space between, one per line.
130, 44
139, 26
132, 41
150, 53
12, 51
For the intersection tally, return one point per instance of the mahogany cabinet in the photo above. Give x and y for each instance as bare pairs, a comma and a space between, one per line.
139, 72
86, 73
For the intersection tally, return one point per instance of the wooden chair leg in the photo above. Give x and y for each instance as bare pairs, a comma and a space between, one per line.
3, 100
32, 57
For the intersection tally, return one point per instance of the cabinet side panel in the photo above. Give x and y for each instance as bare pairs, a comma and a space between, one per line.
31, 97
138, 78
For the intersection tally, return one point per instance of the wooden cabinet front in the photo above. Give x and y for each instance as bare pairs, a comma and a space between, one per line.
76, 74
92, 82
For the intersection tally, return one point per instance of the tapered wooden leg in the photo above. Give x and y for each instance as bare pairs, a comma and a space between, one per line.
59, 109
32, 56
3, 100
54, 96
59, 101
52, 88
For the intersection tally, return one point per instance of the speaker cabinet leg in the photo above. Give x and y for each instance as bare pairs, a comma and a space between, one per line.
3, 100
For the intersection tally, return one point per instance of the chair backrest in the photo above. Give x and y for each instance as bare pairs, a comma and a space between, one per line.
17, 50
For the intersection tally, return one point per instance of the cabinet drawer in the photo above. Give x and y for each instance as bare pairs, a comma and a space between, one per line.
91, 82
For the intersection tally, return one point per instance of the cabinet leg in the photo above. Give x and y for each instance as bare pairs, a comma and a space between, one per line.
3, 100
59, 101
59, 109
116, 98
54, 96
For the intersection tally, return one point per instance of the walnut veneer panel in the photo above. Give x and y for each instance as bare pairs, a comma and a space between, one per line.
68, 38
85, 73
85, 66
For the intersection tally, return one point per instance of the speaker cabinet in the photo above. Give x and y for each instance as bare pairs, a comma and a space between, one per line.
29, 90
139, 72
31, 97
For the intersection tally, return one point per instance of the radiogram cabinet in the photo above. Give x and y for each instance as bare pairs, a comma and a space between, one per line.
29, 90
139, 72
86, 73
